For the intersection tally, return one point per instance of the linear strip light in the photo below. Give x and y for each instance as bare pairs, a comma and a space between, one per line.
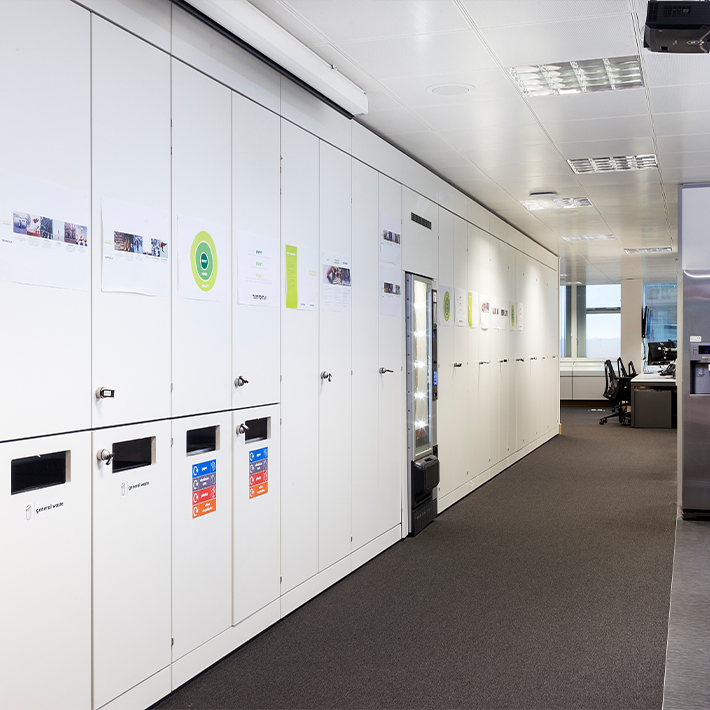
585, 76
251, 25
617, 163
648, 250
556, 203
588, 238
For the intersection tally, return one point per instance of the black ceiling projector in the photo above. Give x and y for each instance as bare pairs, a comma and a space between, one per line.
677, 28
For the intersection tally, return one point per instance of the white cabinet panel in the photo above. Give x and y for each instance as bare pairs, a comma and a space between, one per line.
420, 249
474, 434
522, 363
46, 558
299, 366
460, 352
335, 442
366, 379
131, 557
52, 324
201, 530
130, 162
509, 354
256, 210
201, 332
257, 499
391, 440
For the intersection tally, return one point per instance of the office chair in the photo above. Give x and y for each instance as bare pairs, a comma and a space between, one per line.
618, 392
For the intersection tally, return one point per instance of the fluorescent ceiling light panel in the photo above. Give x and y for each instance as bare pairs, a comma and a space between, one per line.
649, 250
557, 203
578, 77
588, 238
259, 31
618, 163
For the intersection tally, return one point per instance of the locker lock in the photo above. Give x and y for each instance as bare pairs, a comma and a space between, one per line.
326, 376
384, 369
105, 392
458, 364
242, 429
104, 455
240, 382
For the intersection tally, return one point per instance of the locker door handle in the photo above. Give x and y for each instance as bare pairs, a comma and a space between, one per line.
484, 362
458, 364
242, 429
104, 393
383, 370
326, 376
503, 360
104, 455
519, 359
240, 382
533, 358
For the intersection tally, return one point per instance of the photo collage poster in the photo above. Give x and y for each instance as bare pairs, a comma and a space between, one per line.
44, 233
391, 293
336, 283
485, 311
204, 260
257, 270
390, 248
136, 243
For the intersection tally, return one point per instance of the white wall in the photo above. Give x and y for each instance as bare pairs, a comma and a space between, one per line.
631, 312
211, 134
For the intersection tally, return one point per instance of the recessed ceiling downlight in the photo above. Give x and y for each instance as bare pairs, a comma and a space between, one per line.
588, 238
450, 89
649, 250
612, 164
559, 203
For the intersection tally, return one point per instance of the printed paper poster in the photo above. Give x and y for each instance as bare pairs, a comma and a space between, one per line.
336, 282
520, 315
301, 278
473, 309
135, 249
390, 239
461, 307
257, 270
446, 315
485, 311
44, 233
204, 260
504, 314
513, 315
495, 313
390, 290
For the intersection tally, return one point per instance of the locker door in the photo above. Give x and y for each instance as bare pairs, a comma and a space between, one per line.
494, 401
256, 175
41, 146
299, 364
130, 163
522, 362
257, 498
131, 557
335, 392
201, 331
473, 462
366, 377
445, 435
45, 525
391, 438
484, 413
509, 355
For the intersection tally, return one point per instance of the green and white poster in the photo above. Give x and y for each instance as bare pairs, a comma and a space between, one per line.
204, 260
446, 305
301, 278
513, 312
472, 309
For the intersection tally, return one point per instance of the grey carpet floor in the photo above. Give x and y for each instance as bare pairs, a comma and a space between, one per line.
546, 588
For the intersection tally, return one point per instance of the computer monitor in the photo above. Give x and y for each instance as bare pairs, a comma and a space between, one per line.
662, 353
645, 323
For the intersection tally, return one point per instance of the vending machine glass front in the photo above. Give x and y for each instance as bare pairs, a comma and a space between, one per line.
421, 365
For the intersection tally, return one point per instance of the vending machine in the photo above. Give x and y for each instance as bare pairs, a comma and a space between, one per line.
421, 401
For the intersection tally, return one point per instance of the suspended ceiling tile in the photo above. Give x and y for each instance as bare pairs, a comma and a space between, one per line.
497, 154
698, 159
684, 144
511, 137
530, 171
373, 19
675, 69
468, 173
622, 194
599, 129
684, 176
674, 99
568, 40
420, 55
290, 21
603, 104
677, 124
625, 177
563, 185
442, 160
414, 143
498, 114
494, 13
602, 149
393, 122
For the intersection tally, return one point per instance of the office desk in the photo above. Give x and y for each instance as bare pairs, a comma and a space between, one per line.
653, 401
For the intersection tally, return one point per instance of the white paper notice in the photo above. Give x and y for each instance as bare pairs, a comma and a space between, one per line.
520, 315
204, 260
513, 319
135, 248
485, 310
44, 233
473, 309
257, 270
390, 290
504, 314
446, 306
495, 313
461, 307
336, 282
390, 239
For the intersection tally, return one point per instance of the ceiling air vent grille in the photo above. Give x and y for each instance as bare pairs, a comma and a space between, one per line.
420, 220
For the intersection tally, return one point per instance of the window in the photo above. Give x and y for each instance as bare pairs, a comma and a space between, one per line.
563, 321
662, 302
603, 321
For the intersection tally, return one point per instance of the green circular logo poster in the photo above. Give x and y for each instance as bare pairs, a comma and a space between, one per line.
203, 257
447, 306
512, 315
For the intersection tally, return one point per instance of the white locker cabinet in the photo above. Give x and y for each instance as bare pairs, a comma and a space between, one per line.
509, 355
131, 163
201, 219
256, 165
299, 365
420, 253
522, 362
473, 354
42, 146
391, 423
367, 380
335, 354
496, 291
45, 525
256, 566
201, 530
131, 556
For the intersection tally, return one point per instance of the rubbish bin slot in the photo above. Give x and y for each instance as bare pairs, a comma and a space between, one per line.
135, 453
201, 441
258, 429
33, 472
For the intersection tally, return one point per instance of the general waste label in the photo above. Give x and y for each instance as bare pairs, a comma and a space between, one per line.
258, 472
204, 488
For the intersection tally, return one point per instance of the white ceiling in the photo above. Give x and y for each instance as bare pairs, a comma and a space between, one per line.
496, 145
